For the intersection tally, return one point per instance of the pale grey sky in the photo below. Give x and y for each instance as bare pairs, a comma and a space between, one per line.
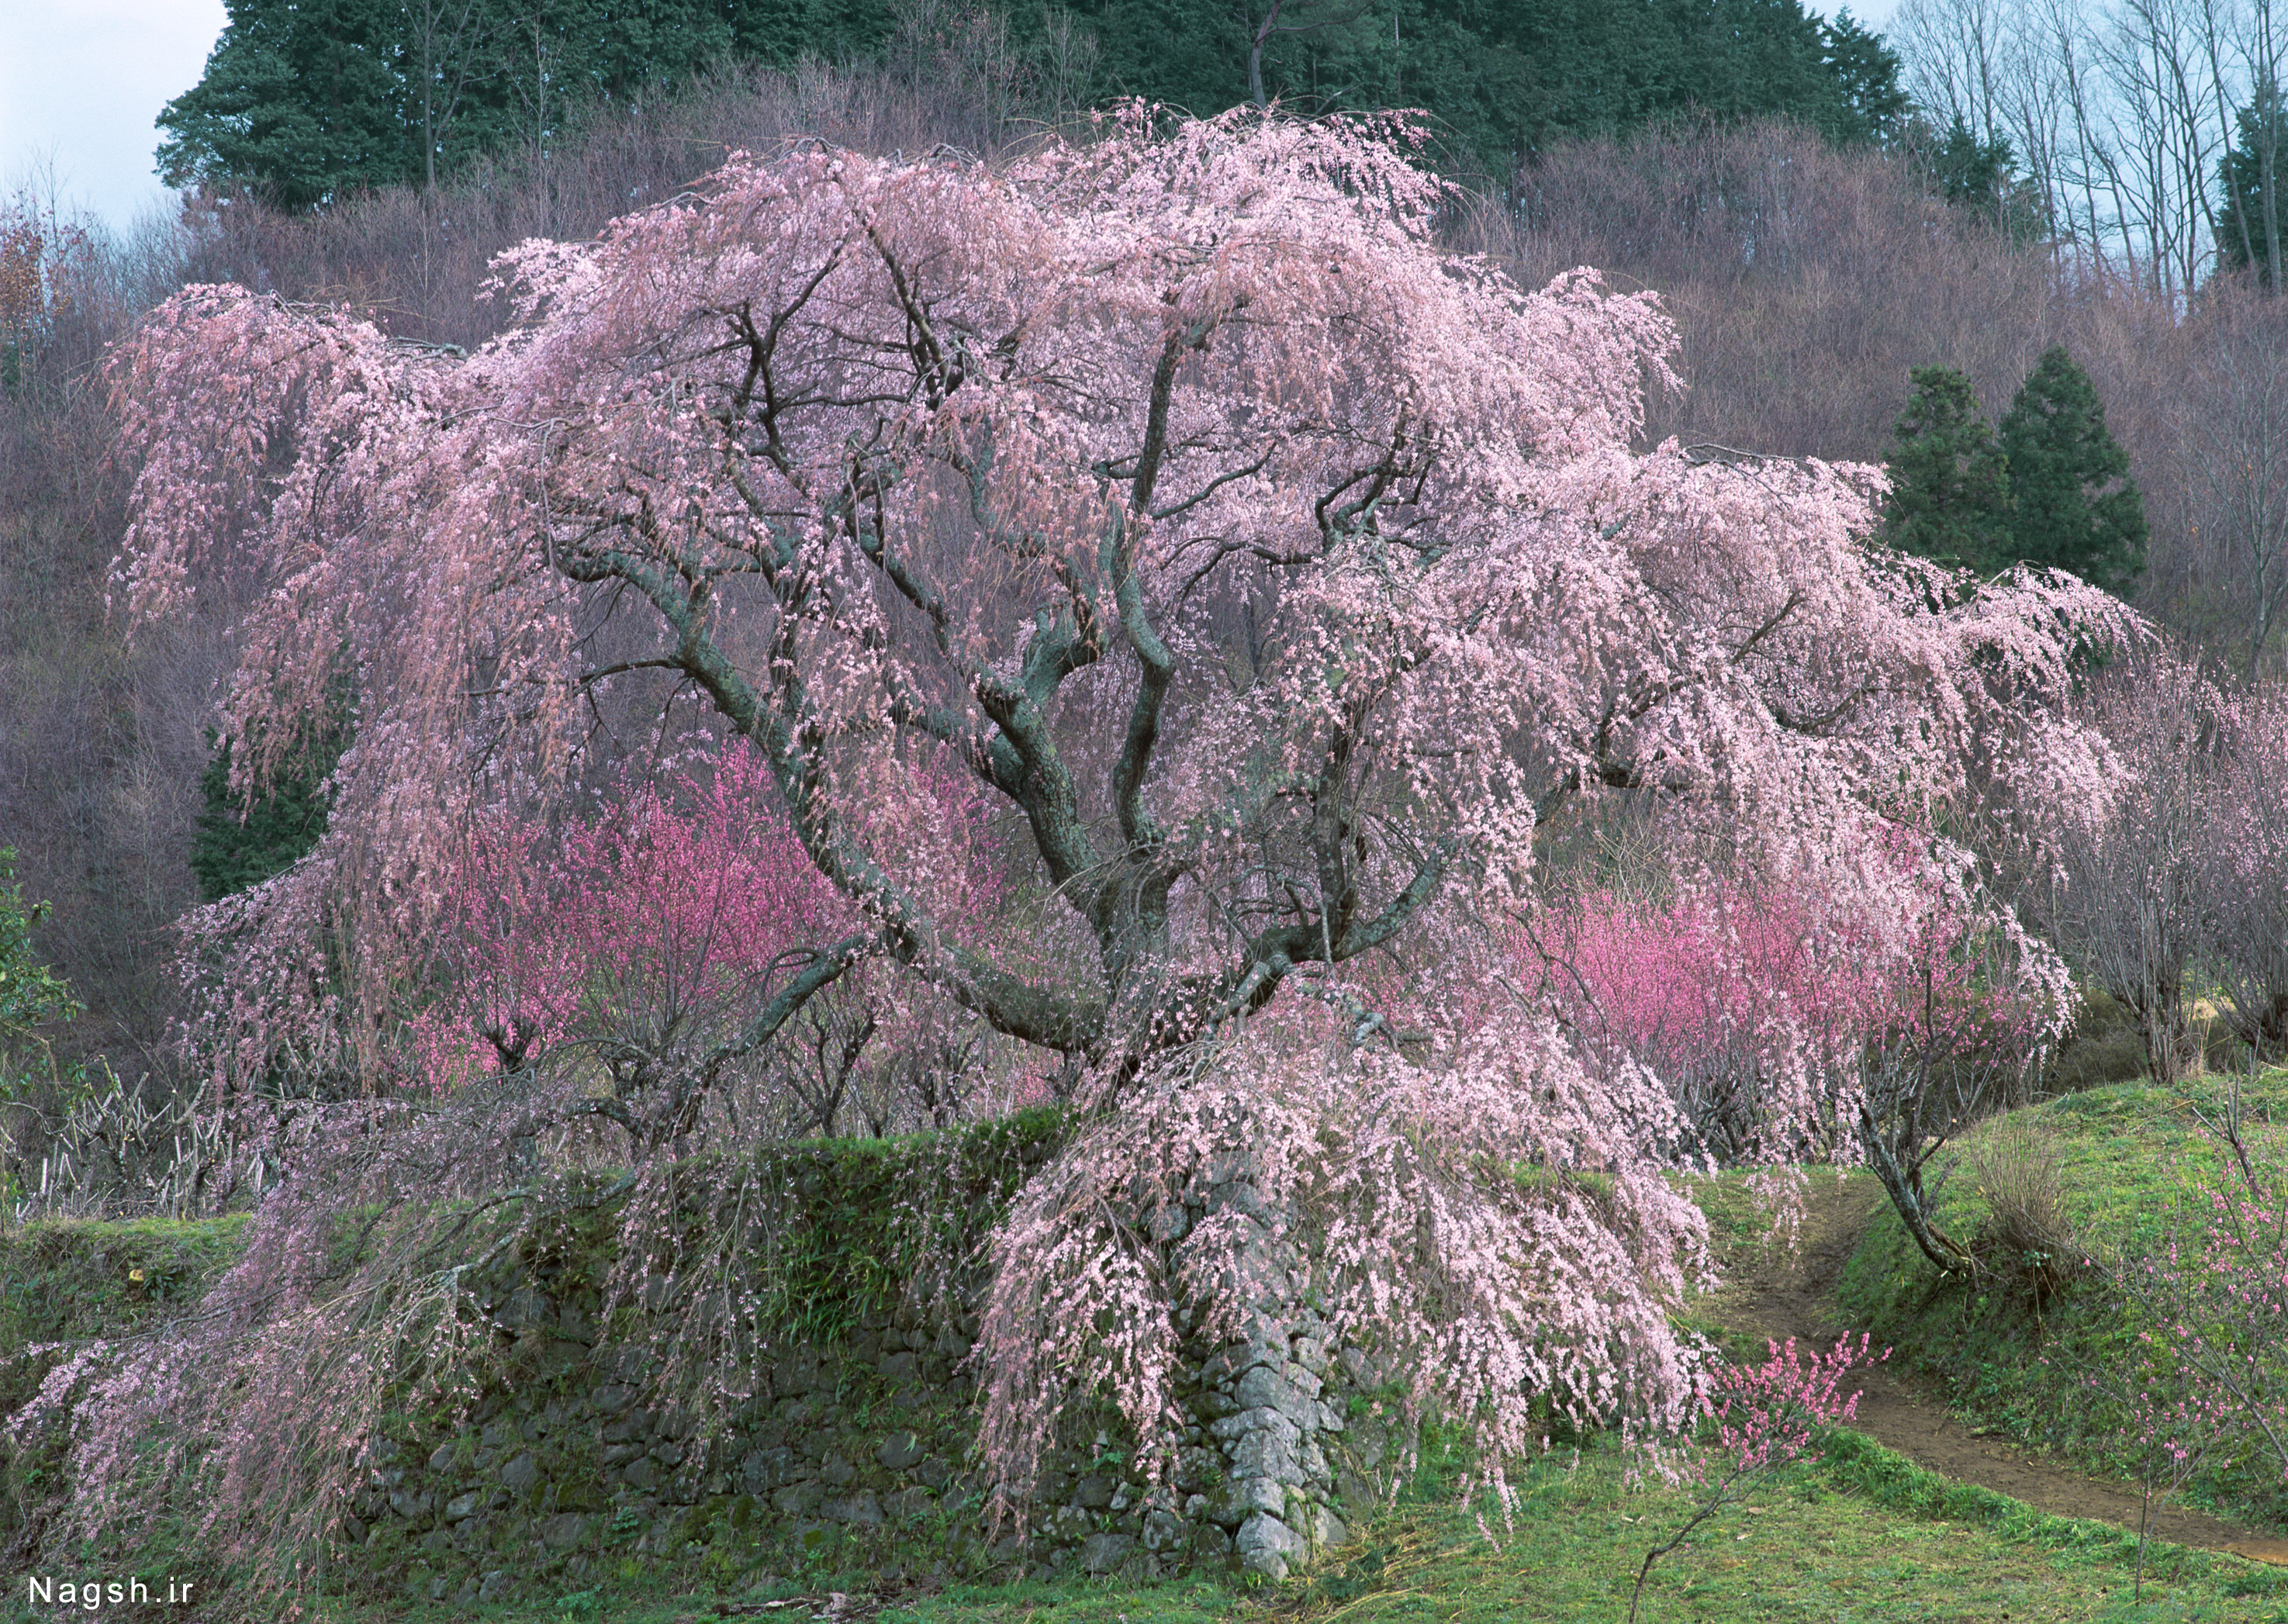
1874, 14
80, 83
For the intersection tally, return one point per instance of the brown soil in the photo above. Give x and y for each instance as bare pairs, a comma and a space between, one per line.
1793, 1295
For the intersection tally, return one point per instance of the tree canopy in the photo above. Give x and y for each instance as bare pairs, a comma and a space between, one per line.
2249, 186
2073, 505
304, 99
2053, 490
1275, 579
1949, 480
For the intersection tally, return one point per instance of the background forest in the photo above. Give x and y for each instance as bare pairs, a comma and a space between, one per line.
2021, 254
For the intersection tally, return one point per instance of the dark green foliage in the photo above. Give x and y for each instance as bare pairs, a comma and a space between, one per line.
238, 844
67, 1278
1869, 104
2073, 505
1970, 171
307, 100
1982, 179
1504, 81
300, 100
1950, 482
2248, 222
823, 1232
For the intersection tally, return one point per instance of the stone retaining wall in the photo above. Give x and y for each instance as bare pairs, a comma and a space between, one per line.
852, 1455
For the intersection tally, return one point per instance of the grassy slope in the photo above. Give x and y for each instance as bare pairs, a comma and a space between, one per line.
74, 1277
1861, 1535
2127, 1156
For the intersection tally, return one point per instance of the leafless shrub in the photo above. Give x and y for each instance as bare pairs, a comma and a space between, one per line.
2017, 1167
2243, 871
2118, 881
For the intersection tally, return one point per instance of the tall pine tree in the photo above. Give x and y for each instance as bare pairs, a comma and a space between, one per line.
2249, 223
1950, 482
2073, 505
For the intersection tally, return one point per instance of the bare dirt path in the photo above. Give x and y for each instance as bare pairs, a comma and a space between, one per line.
1793, 1295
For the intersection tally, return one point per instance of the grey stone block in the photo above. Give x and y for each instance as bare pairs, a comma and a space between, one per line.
1100, 1553
1162, 1530
520, 1474
898, 1451
862, 1510
909, 1504
799, 1500
1268, 1546
1242, 1497
1272, 1450
526, 1306
462, 1506
563, 1531
495, 1588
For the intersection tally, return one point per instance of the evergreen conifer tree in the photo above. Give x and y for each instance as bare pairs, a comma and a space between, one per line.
237, 844
2249, 226
1950, 481
2062, 459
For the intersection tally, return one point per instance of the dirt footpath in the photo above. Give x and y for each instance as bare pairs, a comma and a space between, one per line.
1793, 1295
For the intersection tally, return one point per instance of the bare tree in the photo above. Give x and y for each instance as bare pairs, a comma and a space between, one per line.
2233, 440
2120, 112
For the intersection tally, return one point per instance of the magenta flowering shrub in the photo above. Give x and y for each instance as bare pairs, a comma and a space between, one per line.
1743, 995
655, 922
639, 942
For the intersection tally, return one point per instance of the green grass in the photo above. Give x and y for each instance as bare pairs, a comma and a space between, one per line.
68, 1278
2130, 1157
1861, 1535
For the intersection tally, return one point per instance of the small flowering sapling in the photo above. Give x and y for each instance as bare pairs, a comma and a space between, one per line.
2214, 1301
1873, 1017
2176, 1420
1763, 1417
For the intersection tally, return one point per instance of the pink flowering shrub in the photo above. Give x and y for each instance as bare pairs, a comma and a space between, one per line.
654, 923
2211, 1365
